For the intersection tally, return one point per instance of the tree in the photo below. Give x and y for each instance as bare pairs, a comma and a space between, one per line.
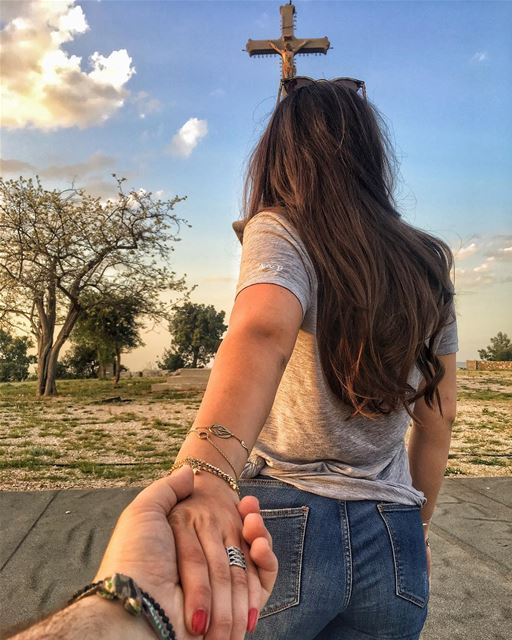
81, 361
14, 361
110, 326
499, 349
196, 332
57, 245
171, 361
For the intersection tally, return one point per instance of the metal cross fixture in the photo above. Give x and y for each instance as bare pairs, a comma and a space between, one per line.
287, 46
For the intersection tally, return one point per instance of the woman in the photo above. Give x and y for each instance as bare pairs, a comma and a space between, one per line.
342, 331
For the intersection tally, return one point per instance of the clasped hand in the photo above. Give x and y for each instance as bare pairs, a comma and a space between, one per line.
171, 540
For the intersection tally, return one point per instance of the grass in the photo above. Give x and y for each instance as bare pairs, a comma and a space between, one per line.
78, 440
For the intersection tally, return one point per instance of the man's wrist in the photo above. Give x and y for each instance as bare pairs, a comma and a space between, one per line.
91, 617
113, 620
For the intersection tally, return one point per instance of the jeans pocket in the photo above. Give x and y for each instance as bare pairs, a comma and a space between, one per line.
403, 523
288, 529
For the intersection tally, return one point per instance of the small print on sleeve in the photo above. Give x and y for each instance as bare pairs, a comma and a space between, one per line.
270, 265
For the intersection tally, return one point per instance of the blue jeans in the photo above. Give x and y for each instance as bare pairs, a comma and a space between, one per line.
348, 569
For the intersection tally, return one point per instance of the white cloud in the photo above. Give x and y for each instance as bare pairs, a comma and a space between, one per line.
145, 104
188, 137
490, 266
101, 188
19, 167
98, 162
483, 275
485, 267
480, 56
44, 86
114, 70
474, 278
68, 23
467, 251
500, 248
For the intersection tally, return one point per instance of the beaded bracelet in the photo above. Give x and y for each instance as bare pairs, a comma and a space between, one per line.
134, 600
201, 465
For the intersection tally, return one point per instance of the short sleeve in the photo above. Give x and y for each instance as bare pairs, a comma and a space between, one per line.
273, 253
447, 341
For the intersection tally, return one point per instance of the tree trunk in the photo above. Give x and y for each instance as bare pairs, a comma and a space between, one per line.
117, 366
44, 349
50, 388
44, 343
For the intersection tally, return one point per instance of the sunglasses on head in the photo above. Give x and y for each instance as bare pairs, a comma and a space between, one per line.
292, 84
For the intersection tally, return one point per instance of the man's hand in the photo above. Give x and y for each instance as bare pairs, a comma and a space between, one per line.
142, 545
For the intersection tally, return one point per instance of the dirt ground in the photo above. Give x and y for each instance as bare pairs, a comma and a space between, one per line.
92, 435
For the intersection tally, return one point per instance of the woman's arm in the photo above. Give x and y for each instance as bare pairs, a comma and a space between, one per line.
246, 373
429, 442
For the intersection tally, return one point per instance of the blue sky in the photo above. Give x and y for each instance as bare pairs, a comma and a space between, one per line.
439, 72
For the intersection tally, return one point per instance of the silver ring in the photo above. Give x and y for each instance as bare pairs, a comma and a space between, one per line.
236, 558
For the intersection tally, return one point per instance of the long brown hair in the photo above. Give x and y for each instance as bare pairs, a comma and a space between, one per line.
384, 286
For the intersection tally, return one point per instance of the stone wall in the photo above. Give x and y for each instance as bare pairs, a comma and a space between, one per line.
146, 373
488, 365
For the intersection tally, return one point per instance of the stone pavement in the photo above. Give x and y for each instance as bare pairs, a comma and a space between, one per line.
51, 542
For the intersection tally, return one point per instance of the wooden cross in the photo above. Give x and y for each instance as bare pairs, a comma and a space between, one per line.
287, 46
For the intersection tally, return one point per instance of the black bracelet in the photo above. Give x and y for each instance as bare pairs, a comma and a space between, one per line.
135, 601
162, 621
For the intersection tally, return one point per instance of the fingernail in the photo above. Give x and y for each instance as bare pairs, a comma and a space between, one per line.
253, 619
199, 621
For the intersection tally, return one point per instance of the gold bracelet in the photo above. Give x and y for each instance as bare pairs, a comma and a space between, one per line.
201, 465
224, 433
202, 434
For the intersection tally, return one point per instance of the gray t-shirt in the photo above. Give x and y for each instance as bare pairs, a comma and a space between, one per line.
306, 440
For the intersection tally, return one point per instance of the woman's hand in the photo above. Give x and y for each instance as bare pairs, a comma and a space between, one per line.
222, 602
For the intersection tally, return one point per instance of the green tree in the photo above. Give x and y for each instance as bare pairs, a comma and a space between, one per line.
58, 245
14, 361
196, 331
171, 361
499, 349
81, 361
110, 325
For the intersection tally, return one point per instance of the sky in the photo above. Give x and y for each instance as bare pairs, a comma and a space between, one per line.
163, 93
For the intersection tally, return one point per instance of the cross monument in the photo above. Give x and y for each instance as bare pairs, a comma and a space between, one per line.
287, 46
